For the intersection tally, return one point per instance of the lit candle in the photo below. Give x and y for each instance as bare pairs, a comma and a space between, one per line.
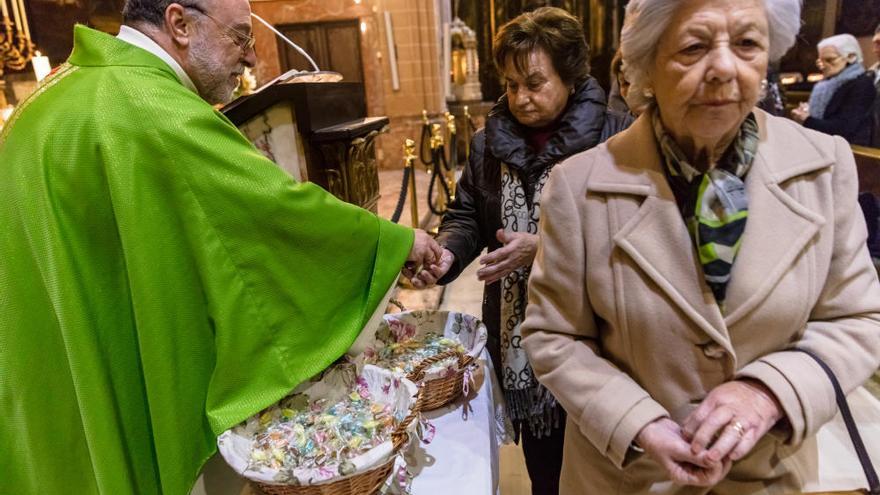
42, 68
24, 22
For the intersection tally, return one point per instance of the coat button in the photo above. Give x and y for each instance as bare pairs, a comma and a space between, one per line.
713, 350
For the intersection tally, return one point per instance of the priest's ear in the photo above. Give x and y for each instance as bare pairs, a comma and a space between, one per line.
180, 24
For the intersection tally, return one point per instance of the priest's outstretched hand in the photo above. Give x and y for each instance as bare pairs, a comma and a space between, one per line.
425, 251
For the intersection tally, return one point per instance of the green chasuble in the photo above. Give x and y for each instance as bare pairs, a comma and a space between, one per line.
160, 280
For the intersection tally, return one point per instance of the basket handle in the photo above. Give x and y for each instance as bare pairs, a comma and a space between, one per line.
466, 360
418, 373
400, 434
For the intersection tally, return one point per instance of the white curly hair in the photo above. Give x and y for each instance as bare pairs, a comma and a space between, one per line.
846, 45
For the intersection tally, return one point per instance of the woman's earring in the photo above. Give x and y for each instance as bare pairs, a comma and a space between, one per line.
648, 93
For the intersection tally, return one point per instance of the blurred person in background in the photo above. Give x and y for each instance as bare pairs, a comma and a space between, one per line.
841, 103
618, 115
875, 74
773, 99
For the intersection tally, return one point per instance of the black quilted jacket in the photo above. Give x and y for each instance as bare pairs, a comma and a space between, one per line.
474, 216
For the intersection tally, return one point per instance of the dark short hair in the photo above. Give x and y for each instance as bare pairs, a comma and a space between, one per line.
149, 11
877, 29
558, 33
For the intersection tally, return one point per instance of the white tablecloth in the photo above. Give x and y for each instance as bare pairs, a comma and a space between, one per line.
462, 459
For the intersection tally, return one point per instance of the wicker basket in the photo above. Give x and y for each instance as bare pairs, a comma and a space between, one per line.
438, 385
370, 479
366, 483
438, 392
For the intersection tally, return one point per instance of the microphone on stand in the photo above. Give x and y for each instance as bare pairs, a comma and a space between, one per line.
294, 75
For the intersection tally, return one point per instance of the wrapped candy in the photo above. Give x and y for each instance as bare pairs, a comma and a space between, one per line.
402, 352
298, 433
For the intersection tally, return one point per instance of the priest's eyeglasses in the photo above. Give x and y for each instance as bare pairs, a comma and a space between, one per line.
241, 40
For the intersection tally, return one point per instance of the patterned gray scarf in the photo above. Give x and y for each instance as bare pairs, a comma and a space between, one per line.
527, 400
714, 204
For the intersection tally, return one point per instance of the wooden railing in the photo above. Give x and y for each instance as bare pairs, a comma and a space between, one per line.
868, 164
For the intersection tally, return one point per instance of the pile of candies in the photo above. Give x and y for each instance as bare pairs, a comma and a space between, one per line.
320, 435
405, 355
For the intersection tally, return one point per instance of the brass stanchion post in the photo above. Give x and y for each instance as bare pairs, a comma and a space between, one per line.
437, 148
467, 135
453, 158
409, 156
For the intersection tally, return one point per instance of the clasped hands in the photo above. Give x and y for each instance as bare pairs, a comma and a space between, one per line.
722, 430
425, 252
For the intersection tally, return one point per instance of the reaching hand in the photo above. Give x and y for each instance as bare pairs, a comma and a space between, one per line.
662, 441
425, 251
518, 251
731, 420
434, 272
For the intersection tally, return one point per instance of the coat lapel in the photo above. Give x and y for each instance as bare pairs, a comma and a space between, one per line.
779, 226
655, 237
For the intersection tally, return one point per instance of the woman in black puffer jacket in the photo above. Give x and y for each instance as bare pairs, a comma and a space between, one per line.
552, 109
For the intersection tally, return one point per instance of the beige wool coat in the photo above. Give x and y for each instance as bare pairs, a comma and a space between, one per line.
622, 328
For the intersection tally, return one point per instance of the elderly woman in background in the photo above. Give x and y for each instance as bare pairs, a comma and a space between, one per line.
842, 102
618, 115
551, 110
682, 260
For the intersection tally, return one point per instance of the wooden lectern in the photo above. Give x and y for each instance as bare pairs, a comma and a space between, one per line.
316, 131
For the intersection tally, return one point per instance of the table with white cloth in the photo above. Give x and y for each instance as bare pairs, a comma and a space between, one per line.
462, 457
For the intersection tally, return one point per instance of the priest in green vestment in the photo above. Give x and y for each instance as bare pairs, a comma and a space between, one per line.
160, 280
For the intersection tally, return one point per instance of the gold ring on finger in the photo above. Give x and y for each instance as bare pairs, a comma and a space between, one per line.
738, 428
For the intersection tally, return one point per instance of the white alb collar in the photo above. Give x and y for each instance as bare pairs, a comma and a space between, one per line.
141, 40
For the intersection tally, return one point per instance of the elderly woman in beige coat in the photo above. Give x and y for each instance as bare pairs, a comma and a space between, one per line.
680, 262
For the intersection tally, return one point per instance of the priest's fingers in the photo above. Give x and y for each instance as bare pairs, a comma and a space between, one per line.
408, 270
424, 248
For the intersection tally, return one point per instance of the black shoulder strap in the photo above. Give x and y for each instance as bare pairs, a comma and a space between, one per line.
864, 459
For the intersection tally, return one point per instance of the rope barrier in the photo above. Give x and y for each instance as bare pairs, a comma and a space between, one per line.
404, 187
437, 175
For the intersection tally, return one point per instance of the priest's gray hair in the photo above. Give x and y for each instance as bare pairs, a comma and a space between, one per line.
647, 20
148, 11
